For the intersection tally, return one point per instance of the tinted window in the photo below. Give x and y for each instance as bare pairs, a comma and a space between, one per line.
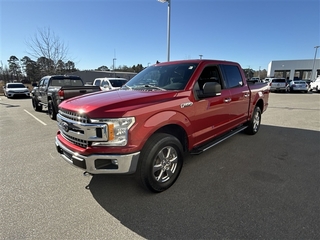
16, 86
117, 83
66, 82
209, 74
232, 76
279, 80
97, 82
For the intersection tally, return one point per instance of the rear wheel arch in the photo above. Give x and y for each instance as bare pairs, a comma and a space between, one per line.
254, 122
260, 104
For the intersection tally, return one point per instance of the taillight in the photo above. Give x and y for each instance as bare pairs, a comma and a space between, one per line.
61, 94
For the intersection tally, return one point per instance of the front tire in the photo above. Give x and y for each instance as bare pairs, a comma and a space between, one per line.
51, 110
254, 123
160, 162
36, 105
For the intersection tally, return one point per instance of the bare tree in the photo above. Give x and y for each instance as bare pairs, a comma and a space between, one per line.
46, 44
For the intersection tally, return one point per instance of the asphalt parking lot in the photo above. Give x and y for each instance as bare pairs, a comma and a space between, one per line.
264, 186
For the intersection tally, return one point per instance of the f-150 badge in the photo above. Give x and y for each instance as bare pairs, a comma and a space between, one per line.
183, 105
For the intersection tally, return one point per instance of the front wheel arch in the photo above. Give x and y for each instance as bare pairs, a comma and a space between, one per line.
160, 162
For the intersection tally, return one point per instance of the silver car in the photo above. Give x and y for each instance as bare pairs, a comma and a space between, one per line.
298, 85
16, 90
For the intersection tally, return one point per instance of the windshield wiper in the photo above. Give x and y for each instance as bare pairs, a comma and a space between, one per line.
155, 87
126, 86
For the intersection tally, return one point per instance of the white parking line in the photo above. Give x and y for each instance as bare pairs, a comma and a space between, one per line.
35, 117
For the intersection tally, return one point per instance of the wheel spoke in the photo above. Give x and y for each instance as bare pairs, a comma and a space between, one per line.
165, 164
174, 159
156, 168
159, 177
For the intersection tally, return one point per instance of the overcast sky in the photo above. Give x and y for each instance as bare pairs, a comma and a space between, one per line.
251, 32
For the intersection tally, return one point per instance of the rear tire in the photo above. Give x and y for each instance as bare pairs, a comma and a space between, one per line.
51, 110
35, 105
160, 162
254, 123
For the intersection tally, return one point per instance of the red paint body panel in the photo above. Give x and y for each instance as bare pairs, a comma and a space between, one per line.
201, 119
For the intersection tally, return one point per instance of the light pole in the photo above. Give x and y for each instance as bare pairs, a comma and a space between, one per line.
168, 28
200, 56
259, 72
314, 61
113, 67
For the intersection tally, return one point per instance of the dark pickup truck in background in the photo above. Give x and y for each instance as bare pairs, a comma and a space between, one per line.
166, 110
52, 90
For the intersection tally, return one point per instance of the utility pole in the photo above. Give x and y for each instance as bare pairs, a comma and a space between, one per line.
314, 61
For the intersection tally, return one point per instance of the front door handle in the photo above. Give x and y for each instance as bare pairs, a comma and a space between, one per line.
227, 100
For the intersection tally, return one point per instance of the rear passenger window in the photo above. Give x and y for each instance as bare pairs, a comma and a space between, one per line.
232, 76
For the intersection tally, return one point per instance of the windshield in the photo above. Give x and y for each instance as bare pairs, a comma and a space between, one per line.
165, 77
66, 82
16, 86
279, 80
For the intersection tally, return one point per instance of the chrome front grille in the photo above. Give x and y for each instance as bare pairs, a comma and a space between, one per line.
77, 129
73, 116
75, 141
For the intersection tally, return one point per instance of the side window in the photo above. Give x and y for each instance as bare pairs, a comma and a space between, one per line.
209, 74
45, 82
41, 82
232, 76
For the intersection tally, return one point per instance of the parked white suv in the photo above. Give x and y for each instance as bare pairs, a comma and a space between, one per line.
108, 84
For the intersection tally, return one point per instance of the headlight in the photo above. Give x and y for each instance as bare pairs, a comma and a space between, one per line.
116, 130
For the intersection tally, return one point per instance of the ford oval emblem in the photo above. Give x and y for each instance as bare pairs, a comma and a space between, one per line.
65, 126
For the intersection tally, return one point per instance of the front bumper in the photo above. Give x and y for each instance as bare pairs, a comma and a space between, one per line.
299, 89
100, 164
18, 94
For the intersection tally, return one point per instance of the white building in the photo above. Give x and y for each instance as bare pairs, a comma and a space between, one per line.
290, 69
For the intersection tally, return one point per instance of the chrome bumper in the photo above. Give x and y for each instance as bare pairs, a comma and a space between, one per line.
100, 164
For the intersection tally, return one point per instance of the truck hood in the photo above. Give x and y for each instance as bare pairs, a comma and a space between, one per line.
114, 103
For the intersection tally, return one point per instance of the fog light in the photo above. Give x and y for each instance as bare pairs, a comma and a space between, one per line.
115, 162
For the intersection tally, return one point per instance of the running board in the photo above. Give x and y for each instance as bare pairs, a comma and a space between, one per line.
214, 142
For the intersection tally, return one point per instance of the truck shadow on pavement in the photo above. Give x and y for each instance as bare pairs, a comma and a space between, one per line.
247, 187
9, 105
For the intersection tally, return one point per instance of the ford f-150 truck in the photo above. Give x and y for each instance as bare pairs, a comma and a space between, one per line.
52, 90
165, 111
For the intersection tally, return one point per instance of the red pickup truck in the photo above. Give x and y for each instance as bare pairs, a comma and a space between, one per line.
166, 110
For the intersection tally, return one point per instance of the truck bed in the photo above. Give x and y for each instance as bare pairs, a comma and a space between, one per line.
72, 91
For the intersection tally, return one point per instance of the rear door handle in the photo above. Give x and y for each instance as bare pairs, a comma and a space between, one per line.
246, 95
227, 100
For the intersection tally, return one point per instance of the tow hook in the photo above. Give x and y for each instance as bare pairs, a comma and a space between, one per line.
86, 174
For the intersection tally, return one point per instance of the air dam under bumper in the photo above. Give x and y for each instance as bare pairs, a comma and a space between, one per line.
100, 164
